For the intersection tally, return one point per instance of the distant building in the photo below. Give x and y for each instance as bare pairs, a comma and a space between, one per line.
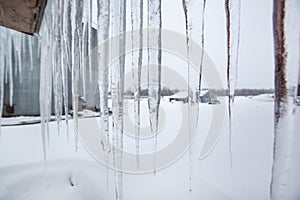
205, 96
179, 96
208, 96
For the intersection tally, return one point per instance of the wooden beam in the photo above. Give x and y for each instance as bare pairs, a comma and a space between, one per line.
22, 15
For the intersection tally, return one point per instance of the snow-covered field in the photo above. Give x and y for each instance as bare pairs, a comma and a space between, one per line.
77, 175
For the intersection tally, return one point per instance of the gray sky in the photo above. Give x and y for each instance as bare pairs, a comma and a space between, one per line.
256, 45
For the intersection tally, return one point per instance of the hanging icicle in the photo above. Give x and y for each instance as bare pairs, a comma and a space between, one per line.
137, 19
46, 79
103, 69
118, 13
2, 74
9, 65
64, 40
233, 9
154, 66
57, 60
194, 33
76, 60
84, 46
103, 18
66, 56
202, 44
286, 30
89, 40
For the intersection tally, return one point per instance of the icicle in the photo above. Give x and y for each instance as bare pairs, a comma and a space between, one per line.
137, 42
76, 61
185, 10
67, 30
56, 60
103, 24
67, 44
233, 39
16, 41
5, 62
118, 13
23, 55
286, 30
2, 74
85, 47
30, 44
9, 65
38, 47
23, 52
103, 69
46, 40
43, 93
154, 66
89, 40
191, 11
202, 47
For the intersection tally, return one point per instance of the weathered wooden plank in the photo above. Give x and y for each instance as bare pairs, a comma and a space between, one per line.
22, 15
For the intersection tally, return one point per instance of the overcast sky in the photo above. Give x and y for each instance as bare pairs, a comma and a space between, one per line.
256, 63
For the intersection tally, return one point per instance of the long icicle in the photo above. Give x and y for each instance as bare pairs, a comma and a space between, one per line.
89, 41
103, 69
286, 31
45, 79
118, 12
154, 67
137, 42
232, 9
185, 10
76, 61
103, 20
67, 59
121, 82
193, 30
202, 45
85, 49
56, 68
2, 74
9, 65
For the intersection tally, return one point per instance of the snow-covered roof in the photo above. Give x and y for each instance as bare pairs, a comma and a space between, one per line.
203, 92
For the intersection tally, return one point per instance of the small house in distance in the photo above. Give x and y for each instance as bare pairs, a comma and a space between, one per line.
208, 96
205, 96
179, 96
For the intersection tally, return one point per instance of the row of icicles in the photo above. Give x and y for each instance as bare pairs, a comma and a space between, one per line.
65, 40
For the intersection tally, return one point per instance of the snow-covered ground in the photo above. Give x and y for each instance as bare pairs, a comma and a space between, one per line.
77, 175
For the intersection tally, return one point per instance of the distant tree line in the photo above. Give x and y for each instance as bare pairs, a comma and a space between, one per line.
243, 92
144, 92
219, 92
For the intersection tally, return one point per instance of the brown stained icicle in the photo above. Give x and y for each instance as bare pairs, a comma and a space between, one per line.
227, 9
280, 55
279, 15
